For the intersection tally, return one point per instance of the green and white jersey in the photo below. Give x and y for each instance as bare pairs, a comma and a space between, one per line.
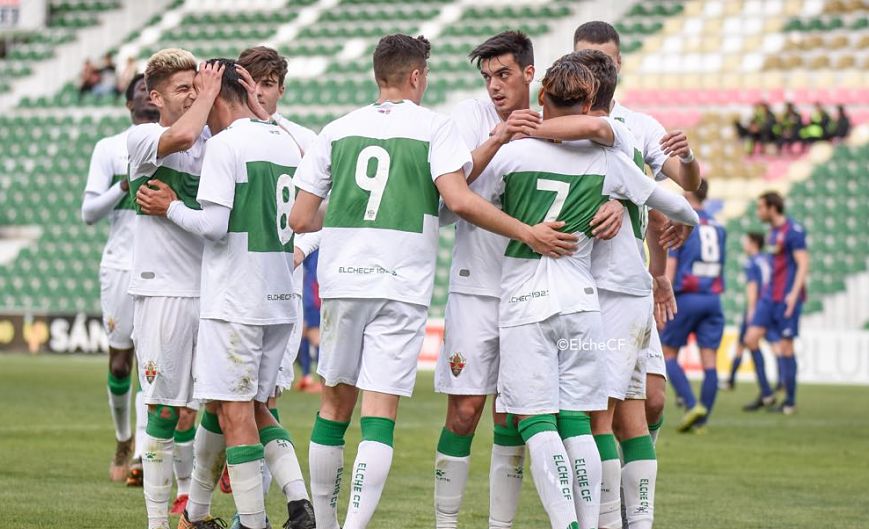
380, 234
477, 253
166, 259
619, 264
544, 181
648, 133
108, 167
247, 276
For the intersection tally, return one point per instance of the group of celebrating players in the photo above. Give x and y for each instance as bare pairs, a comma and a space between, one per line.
215, 199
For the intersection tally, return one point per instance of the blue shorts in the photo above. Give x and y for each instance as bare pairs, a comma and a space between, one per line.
770, 315
771, 334
700, 314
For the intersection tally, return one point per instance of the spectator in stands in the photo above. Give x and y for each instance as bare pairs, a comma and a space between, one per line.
90, 77
759, 131
787, 129
841, 127
130, 71
817, 127
108, 83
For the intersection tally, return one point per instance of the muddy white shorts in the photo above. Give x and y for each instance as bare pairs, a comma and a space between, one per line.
238, 362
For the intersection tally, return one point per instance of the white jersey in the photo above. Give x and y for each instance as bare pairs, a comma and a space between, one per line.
619, 264
166, 259
247, 276
544, 181
380, 234
648, 133
477, 253
108, 167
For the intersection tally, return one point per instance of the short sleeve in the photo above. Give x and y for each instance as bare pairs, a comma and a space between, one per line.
796, 238
467, 118
653, 155
752, 272
142, 143
314, 174
303, 137
100, 173
623, 139
447, 153
624, 180
217, 181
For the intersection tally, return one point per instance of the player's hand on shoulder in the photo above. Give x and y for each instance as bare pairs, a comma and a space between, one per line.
520, 124
546, 239
673, 235
607, 222
155, 197
665, 300
208, 79
125, 184
675, 143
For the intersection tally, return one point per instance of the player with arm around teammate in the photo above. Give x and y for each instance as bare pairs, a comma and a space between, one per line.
549, 332
384, 168
248, 306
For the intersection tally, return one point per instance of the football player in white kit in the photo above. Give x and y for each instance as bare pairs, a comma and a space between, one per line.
106, 195
248, 302
386, 165
549, 331
165, 278
669, 156
467, 368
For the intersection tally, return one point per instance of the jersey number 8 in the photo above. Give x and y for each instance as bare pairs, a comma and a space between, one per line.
284, 197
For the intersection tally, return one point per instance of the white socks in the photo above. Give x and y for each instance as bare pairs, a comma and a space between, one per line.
588, 473
210, 454
157, 480
247, 490
610, 495
451, 476
553, 476
639, 476
281, 459
373, 460
327, 467
506, 471
120, 408
183, 465
141, 424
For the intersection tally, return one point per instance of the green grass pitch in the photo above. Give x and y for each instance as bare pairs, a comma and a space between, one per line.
750, 471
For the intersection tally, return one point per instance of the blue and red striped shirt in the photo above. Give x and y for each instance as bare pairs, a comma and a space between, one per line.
700, 261
783, 241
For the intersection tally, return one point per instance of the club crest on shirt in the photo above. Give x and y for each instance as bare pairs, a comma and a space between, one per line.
150, 371
457, 364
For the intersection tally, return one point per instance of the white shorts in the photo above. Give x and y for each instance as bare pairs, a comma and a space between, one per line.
164, 332
468, 363
287, 374
372, 344
557, 364
239, 362
655, 356
627, 326
117, 307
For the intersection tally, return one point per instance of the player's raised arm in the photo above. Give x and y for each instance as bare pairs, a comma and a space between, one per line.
184, 132
681, 166
543, 238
